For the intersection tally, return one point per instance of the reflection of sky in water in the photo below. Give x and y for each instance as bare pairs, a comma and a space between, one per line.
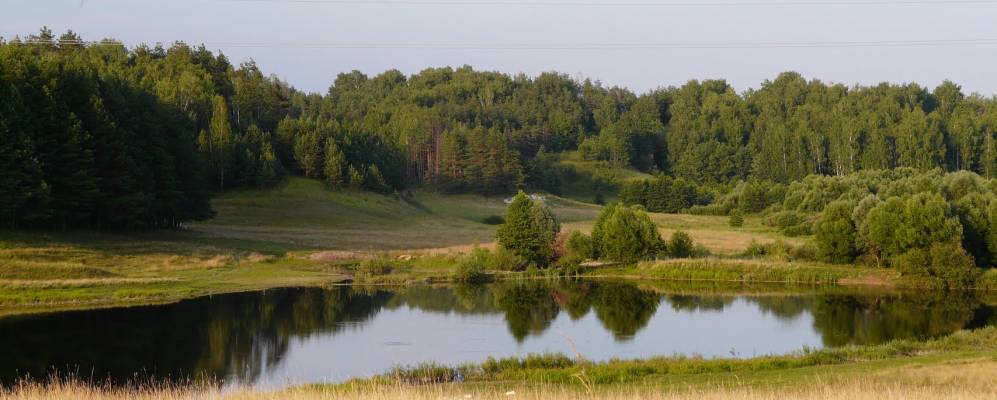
409, 336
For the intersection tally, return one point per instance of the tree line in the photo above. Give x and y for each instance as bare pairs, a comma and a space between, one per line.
99, 135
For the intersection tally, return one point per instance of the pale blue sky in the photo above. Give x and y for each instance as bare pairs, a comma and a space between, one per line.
217, 22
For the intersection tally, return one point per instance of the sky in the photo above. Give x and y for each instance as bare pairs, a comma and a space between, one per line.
229, 25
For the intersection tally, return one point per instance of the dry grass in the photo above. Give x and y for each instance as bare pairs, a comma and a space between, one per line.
709, 231
965, 381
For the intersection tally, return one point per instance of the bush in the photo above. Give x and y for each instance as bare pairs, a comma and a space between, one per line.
625, 234
493, 220
946, 263
802, 229
570, 265
376, 266
505, 260
784, 219
804, 252
470, 268
836, 233
579, 245
736, 218
680, 245
754, 250
953, 265
987, 280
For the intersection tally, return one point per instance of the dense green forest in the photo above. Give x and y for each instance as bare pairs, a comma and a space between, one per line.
98, 135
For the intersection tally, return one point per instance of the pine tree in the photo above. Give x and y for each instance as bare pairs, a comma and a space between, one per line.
335, 162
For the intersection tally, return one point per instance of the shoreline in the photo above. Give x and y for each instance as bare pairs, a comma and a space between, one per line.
439, 271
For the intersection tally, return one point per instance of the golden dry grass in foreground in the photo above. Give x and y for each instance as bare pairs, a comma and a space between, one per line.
964, 379
850, 391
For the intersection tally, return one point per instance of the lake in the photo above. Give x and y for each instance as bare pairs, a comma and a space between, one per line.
280, 337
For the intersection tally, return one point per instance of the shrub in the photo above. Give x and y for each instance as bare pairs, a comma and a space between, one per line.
754, 250
375, 266
798, 230
784, 219
836, 233
470, 268
736, 218
493, 220
625, 234
947, 263
680, 245
570, 265
505, 260
804, 252
579, 245
987, 280
953, 265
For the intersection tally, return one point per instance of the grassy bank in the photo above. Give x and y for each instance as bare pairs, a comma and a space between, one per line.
960, 366
747, 271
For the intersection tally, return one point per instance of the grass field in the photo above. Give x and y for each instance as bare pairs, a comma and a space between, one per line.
297, 234
302, 212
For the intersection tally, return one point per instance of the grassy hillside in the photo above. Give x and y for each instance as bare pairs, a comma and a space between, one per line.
259, 239
303, 212
590, 177
295, 234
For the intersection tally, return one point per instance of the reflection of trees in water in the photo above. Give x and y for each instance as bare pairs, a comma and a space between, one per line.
689, 303
460, 299
529, 307
239, 336
845, 320
234, 336
624, 309
784, 307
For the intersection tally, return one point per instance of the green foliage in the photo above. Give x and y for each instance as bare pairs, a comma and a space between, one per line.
946, 263
835, 233
661, 194
736, 219
423, 374
505, 260
624, 233
896, 226
529, 230
580, 245
374, 267
96, 136
680, 245
471, 267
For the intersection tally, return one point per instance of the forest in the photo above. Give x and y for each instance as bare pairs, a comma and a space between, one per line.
97, 135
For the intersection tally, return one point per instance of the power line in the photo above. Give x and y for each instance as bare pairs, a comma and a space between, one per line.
573, 3
569, 46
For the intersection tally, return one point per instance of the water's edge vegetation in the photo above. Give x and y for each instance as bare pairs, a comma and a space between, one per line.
957, 364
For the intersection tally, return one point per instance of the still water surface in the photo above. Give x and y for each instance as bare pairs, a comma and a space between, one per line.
288, 336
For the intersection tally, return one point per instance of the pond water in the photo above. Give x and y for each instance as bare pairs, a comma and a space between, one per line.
288, 336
